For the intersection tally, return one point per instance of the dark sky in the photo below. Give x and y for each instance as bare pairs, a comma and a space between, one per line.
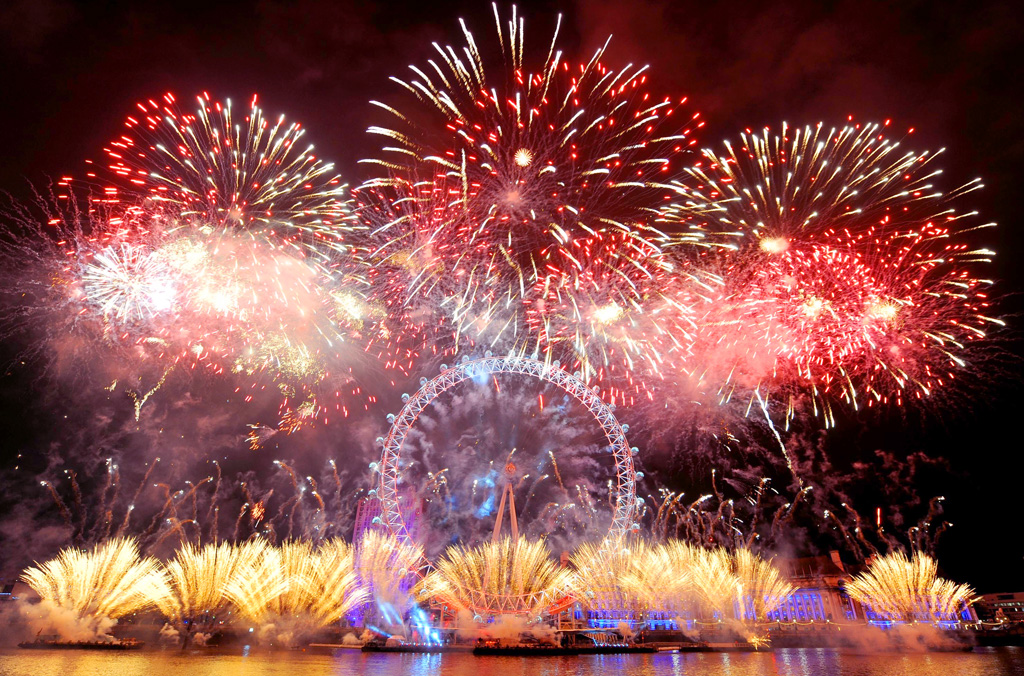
72, 71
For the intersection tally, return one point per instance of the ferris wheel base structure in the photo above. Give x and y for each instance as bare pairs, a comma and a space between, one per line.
625, 500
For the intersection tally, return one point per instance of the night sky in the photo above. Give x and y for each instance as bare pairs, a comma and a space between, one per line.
952, 71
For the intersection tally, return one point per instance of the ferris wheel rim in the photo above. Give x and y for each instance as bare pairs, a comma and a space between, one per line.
549, 372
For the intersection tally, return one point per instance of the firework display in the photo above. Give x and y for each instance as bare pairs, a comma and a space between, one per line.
506, 577
613, 575
904, 589
849, 276
552, 209
301, 587
516, 170
192, 592
762, 586
677, 579
297, 584
388, 568
213, 168
529, 218
226, 255
105, 582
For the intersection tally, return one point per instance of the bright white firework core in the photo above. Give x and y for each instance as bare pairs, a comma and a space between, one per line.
774, 245
523, 157
606, 314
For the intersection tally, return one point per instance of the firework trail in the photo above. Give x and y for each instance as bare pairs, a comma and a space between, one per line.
191, 592
850, 277
498, 578
513, 164
96, 585
908, 589
221, 248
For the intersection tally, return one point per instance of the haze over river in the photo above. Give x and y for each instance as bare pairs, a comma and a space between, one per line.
795, 662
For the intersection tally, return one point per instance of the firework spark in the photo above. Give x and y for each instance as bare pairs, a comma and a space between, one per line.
213, 168
498, 578
908, 589
191, 591
850, 276
511, 168
107, 581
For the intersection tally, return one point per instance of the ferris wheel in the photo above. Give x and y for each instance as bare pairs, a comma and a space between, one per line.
625, 500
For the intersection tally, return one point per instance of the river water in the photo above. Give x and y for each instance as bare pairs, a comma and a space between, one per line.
795, 662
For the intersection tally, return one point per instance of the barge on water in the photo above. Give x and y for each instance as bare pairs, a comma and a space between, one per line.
58, 644
540, 650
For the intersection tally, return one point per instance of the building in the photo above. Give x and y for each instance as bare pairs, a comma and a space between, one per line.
819, 595
1002, 606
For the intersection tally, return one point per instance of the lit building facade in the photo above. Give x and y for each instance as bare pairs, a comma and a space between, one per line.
1008, 606
818, 600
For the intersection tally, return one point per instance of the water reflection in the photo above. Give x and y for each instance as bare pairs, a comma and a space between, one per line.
808, 662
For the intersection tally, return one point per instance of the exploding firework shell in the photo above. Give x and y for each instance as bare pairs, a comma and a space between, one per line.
520, 172
617, 309
226, 248
850, 277
251, 173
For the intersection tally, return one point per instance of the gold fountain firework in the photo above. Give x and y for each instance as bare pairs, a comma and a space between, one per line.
762, 587
192, 589
507, 577
105, 581
384, 564
310, 586
907, 589
617, 574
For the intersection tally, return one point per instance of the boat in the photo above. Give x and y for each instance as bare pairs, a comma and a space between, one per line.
541, 649
729, 647
393, 646
58, 644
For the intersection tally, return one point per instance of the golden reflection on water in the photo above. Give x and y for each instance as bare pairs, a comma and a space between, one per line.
981, 662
